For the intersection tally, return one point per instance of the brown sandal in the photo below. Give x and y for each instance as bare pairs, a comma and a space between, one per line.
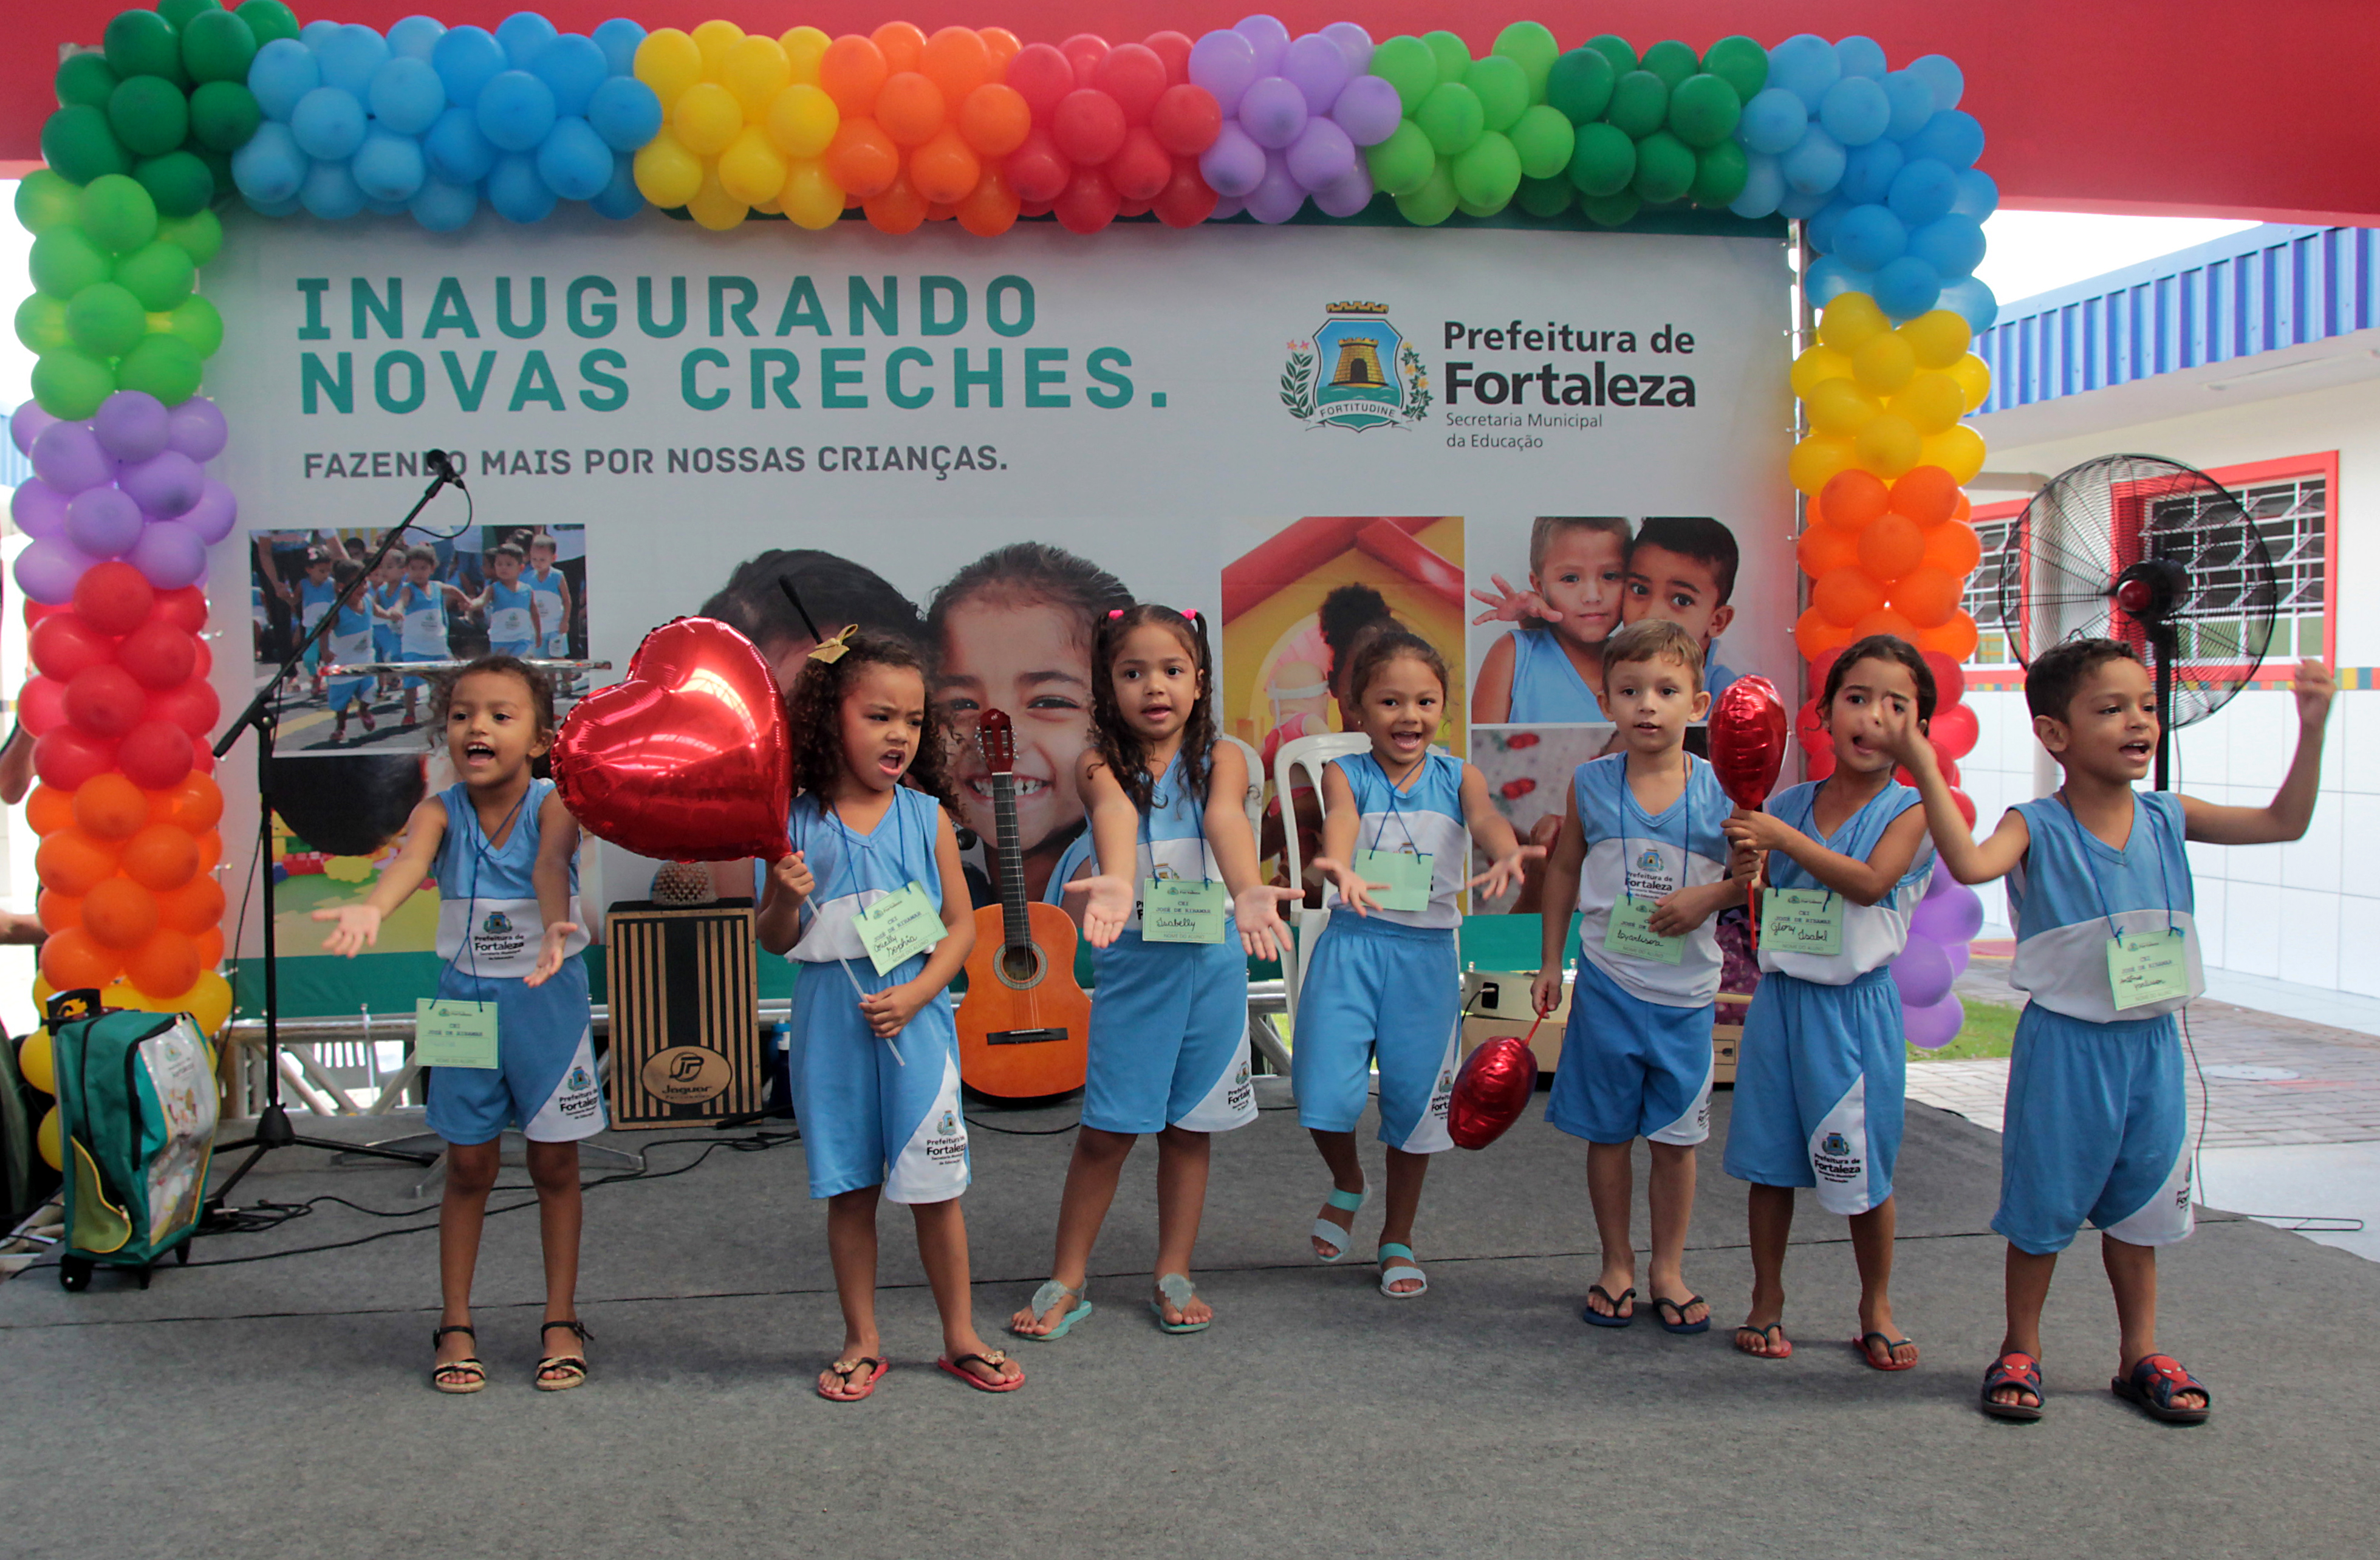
572, 1367
457, 1376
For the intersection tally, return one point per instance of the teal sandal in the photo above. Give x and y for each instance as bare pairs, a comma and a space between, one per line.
1330, 1233
1411, 1268
1179, 1292
1049, 1295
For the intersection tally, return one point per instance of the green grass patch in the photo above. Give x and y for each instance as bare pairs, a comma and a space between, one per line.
1990, 1030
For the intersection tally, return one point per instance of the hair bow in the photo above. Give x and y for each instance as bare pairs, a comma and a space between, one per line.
835, 646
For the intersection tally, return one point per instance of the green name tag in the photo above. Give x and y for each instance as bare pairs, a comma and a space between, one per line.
1407, 875
1630, 932
1801, 920
1181, 911
2154, 968
453, 1034
899, 927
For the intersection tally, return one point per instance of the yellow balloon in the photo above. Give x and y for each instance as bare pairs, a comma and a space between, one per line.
754, 69
42, 991
713, 207
1974, 377
1851, 320
666, 172
1887, 446
1817, 365
802, 120
37, 1062
208, 1002
1932, 401
707, 117
1883, 363
49, 1139
714, 38
751, 170
1939, 337
1816, 459
809, 198
1840, 406
1958, 449
803, 46
668, 62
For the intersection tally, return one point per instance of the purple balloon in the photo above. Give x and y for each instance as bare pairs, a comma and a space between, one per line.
1268, 37
1350, 194
1949, 917
1277, 196
1272, 112
1941, 883
213, 515
1934, 1026
47, 570
1226, 207
170, 556
131, 425
68, 456
1368, 110
1232, 165
38, 509
1224, 63
197, 428
1354, 41
1958, 953
29, 420
1314, 65
1321, 156
103, 523
1922, 973
166, 485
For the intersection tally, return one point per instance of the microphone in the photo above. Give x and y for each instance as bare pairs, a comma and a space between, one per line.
439, 464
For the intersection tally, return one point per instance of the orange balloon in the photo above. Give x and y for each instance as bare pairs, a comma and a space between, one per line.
1928, 596
48, 809
995, 120
991, 207
166, 964
1851, 499
1964, 509
210, 850
1884, 620
1004, 45
160, 858
109, 807
1845, 595
211, 947
1953, 548
57, 911
196, 804
910, 108
958, 61
851, 72
1822, 548
1926, 493
896, 209
196, 907
74, 959
902, 44
943, 170
862, 159
1814, 636
1890, 545
119, 913
73, 862
1955, 639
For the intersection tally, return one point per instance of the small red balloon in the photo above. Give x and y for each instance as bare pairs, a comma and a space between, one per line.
1492, 1090
193, 707
1088, 203
1748, 726
1173, 48
1965, 804
1949, 678
1135, 77
185, 608
1083, 52
105, 701
64, 644
113, 597
43, 705
1041, 76
1953, 731
1036, 171
1187, 120
156, 755
68, 756
1185, 201
1809, 729
1141, 169
1088, 127
159, 654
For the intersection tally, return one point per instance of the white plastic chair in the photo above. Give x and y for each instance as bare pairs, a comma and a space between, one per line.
1310, 754
1256, 783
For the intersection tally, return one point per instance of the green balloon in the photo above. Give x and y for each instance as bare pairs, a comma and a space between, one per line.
106, 320
1532, 44
1671, 61
1580, 85
1433, 203
217, 46
1610, 210
268, 20
196, 321
201, 235
1543, 140
77, 141
86, 78
1719, 173
1504, 90
71, 384
224, 115
1452, 116
1469, 208
143, 43
1615, 49
1702, 110
42, 323
1401, 164
44, 199
1639, 104
159, 274
149, 114
1452, 54
219, 165
1544, 198
1488, 173
181, 12
1406, 64
1739, 62
118, 213
64, 260
178, 182
1665, 169
1604, 161
166, 366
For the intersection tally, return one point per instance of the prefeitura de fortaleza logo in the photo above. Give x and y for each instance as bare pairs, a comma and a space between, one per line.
1357, 372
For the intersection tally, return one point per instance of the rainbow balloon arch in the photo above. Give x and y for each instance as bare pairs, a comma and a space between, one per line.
189, 104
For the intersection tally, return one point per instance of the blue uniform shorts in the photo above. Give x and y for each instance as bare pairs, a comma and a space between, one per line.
867, 1120
1169, 1036
543, 1081
1631, 1068
2097, 1129
1819, 1084
1379, 990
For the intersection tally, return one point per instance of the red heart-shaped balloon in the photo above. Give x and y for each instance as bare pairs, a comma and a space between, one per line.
1748, 728
1492, 1090
687, 759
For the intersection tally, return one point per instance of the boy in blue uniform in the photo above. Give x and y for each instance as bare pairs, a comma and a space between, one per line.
1641, 854
1683, 567
2099, 886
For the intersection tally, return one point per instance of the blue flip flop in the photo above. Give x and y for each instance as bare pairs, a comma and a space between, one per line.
1179, 1291
1681, 1326
1049, 1295
1595, 1318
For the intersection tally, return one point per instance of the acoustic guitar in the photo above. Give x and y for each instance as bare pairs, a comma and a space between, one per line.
1024, 1027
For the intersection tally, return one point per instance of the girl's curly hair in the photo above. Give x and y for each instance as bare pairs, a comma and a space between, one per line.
540, 699
1123, 749
814, 715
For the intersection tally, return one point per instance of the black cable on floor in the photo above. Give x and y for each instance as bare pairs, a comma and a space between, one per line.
2318, 1224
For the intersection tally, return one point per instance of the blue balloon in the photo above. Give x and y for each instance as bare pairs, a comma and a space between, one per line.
415, 37
1979, 197
1912, 104
523, 34
1861, 57
1829, 278
407, 96
1772, 121
1941, 74
516, 110
1952, 245
618, 39
516, 191
274, 209
1973, 301
328, 122
626, 113
464, 58
1855, 110
1923, 191
573, 67
350, 58
455, 150
314, 34
1763, 186
386, 208
1801, 203
443, 207
575, 162
1868, 170
1907, 287
282, 71
1805, 65
1869, 238
269, 169
1948, 137
1815, 167
620, 200
388, 168
1820, 230
331, 192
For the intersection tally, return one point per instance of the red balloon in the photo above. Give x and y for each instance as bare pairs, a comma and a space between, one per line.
1492, 1090
1134, 208
1087, 126
1953, 730
1083, 52
1041, 76
1088, 203
64, 644
1185, 201
1811, 731
156, 755
105, 701
1949, 678
1142, 169
41, 707
68, 756
1035, 171
193, 707
1747, 739
687, 759
1966, 806
1820, 765
159, 654
185, 608
1036, 208
113, 597
1187, 120
1173, 48
1135, 77
202, 755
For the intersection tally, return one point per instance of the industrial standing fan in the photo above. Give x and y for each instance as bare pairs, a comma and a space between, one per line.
2155, 553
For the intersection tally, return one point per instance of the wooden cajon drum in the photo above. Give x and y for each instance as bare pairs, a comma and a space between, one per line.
685, 1018
1497, 1003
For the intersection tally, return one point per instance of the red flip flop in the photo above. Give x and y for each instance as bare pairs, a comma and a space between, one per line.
1868, 1356
846, 1369
996, 1358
